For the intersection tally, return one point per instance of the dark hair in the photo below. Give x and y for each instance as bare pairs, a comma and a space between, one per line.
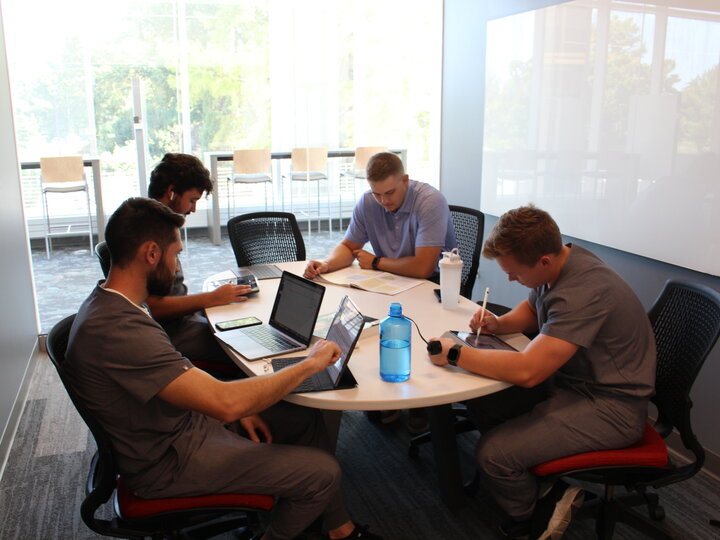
182, 171
527, 233
382, 165
136, 221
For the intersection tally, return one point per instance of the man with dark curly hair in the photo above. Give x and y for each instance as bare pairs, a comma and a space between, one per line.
179, 181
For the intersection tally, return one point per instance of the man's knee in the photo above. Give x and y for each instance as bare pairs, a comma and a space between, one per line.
497, 456
326, 474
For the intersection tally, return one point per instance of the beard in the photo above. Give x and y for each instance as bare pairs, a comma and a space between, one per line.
160, 281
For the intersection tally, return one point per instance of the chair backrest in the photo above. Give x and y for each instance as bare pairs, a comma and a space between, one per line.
309, 159
364, 153
62, 169
101, 480
469, 226
686, 321
251, 161
266, 237
103, 254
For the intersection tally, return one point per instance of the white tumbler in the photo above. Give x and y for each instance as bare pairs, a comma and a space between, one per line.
450, 276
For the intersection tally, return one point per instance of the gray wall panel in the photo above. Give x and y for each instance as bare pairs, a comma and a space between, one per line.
18, 323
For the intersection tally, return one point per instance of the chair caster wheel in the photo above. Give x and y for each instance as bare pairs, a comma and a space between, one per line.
657, 513
413, 451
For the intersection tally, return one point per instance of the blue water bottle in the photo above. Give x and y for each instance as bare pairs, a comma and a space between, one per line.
395, 333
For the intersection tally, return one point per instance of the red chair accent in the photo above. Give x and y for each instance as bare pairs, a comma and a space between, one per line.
650, 451
134, 507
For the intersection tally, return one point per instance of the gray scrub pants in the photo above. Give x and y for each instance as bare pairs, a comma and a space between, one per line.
297, 468
191, 335
523, 427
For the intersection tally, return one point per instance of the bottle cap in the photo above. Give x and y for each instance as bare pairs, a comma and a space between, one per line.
451, 257
395, 310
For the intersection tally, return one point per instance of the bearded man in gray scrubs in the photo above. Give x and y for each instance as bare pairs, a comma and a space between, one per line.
175, 430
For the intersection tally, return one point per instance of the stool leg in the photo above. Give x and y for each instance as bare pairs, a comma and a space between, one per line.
48, 240
90, 228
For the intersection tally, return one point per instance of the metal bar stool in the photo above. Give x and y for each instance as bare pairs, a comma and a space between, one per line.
64, 174
308, 165
250, 167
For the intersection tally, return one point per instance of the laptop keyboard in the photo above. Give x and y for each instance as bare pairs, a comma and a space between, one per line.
265, 271
279, 363
269, 339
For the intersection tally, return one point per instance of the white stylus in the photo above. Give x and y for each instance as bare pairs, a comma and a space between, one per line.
482, 310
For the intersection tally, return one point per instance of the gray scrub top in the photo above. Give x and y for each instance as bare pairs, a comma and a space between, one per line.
118, 360
591, 306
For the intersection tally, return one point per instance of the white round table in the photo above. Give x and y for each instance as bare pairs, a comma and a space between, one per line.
428, 386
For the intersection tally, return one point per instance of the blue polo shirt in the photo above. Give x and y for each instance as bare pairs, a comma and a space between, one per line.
423, 220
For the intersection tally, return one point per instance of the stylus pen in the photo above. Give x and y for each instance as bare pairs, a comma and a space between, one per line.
482, 310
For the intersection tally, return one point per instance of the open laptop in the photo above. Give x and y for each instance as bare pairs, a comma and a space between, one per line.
291, 324
345, 331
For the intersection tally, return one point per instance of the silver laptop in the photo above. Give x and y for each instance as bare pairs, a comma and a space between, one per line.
345, 330
291, 324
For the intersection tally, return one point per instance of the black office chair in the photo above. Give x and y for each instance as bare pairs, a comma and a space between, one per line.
266, 237
103, 254
204, 516
469, 226
686, 322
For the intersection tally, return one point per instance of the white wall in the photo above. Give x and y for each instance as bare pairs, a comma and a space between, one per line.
461, 163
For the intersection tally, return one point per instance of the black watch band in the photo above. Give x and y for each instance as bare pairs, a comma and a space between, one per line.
375, 263
453, 355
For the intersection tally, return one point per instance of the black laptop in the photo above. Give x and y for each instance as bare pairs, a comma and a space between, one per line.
345, 331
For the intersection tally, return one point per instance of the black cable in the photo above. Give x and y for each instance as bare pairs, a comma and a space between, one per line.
418, 329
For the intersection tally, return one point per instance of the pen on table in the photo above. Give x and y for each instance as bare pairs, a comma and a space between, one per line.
482, 310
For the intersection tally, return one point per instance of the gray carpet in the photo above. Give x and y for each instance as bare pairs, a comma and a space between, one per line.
43, 484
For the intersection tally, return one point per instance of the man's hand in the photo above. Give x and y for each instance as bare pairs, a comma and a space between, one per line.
227, 294
256, 427
488, 325
440, 359
364, 258
323, 354
315, 268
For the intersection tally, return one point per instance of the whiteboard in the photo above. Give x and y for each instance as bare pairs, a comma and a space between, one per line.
607, 116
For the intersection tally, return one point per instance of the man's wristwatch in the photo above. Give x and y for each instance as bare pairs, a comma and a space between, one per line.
453, 355
375, 263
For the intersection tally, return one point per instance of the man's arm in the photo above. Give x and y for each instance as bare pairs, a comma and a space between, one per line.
421, 265
522, 318
170, 307
340, 257
232, 400
540, 359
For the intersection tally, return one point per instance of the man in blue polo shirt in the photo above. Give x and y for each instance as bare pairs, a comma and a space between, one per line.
406, 222
408, 225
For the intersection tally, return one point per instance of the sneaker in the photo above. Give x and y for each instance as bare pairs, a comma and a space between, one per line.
388, 417
567, 499
417, 421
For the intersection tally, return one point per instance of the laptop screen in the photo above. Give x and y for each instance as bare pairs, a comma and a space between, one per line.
344, 330
297, 305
